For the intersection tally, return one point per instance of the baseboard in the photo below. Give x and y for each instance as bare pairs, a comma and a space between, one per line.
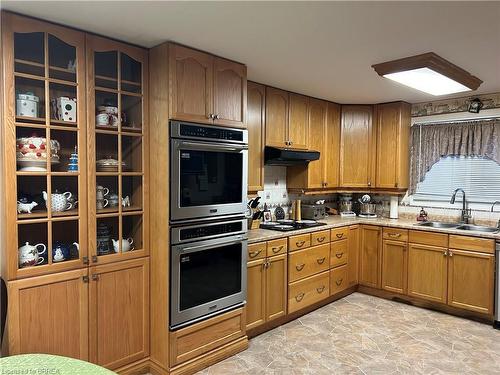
203, 361
478, 317
136, 368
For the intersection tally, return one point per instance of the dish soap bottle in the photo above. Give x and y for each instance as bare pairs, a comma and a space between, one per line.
422, 216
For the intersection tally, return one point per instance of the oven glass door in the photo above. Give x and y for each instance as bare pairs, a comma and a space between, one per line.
208, 179
207, 277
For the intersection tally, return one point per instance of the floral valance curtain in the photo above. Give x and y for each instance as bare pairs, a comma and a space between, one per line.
431, 142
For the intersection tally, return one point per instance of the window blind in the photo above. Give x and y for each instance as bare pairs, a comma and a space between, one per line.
478, 176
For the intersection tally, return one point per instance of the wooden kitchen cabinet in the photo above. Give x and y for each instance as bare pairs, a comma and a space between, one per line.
370, 256
357, 146
394, 266
313, 174
471, 280
331, 147
276, 117
230, 93
191, 84
256, 293
393, 135
427, 272
353, 264
206, 89
49, 314
298, 121
276, 285
256, 117
119, 313
266, 284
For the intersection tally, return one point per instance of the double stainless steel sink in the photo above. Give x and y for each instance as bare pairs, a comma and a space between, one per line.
459, 226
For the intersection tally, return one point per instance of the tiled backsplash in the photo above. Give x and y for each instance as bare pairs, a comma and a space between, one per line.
275, 194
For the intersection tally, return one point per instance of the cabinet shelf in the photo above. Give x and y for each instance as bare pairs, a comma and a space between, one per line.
63, 123
28, 121
27, 62
130, 131
33, 215
73, 212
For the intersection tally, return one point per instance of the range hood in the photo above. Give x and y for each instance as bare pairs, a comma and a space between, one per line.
287, 157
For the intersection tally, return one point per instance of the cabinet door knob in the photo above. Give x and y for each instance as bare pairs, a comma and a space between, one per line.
320, 239
340, 235
339, 255
320, 289
94, 258
210, 116
369, 183
95, 277
85, 260
299, 267
321, 260
450, 253
85, 279
217, 117
339, 282
300, 243
445, 253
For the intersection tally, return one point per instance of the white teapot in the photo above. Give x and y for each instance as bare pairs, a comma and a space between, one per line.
29, 255
126, 244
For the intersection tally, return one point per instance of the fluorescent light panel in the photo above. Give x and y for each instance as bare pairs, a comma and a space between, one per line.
427, 80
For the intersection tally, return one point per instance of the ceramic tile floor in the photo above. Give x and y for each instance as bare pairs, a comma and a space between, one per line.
361, 334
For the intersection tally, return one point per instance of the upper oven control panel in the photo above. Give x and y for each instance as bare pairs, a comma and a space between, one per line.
207, 133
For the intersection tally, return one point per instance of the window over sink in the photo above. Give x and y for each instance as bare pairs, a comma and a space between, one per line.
478, 176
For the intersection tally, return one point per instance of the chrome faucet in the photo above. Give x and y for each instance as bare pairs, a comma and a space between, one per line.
492, 207
466, 214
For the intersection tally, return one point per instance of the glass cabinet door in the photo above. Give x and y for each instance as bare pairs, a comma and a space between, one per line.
117, 166
46, 147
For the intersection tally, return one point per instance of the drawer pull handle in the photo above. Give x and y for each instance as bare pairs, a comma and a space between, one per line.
299, 267
253, 254
300, 243
320, 289
339, 282
321, 260
320, 239
299, 297
394, 235
340, 235
277, 249
339, 255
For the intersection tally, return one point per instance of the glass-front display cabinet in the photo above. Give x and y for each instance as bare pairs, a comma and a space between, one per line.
44, 139
117, 164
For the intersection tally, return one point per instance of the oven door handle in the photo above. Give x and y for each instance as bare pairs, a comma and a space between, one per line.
212, 147
191, 249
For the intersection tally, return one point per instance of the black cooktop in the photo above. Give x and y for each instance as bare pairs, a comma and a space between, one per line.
288, 225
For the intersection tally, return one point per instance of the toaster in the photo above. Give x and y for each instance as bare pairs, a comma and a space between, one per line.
313, 211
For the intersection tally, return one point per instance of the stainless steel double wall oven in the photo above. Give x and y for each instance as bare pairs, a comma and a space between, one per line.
208, 185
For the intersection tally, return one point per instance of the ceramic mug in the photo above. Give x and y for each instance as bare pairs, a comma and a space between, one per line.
102, 203
101, 192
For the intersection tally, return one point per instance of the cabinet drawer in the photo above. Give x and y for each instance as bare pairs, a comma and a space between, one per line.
395, 234
276, 247
338, 279
308, 291
484, 245
338, 234
307, 262
428, 238
339, 252
199, 338
318, 238
256, 251
300, 241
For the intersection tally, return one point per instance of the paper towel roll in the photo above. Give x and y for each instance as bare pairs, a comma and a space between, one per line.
394, 208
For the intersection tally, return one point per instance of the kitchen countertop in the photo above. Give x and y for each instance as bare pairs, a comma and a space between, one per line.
257, 235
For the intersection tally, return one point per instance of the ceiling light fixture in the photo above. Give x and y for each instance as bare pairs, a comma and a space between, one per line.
429, 73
